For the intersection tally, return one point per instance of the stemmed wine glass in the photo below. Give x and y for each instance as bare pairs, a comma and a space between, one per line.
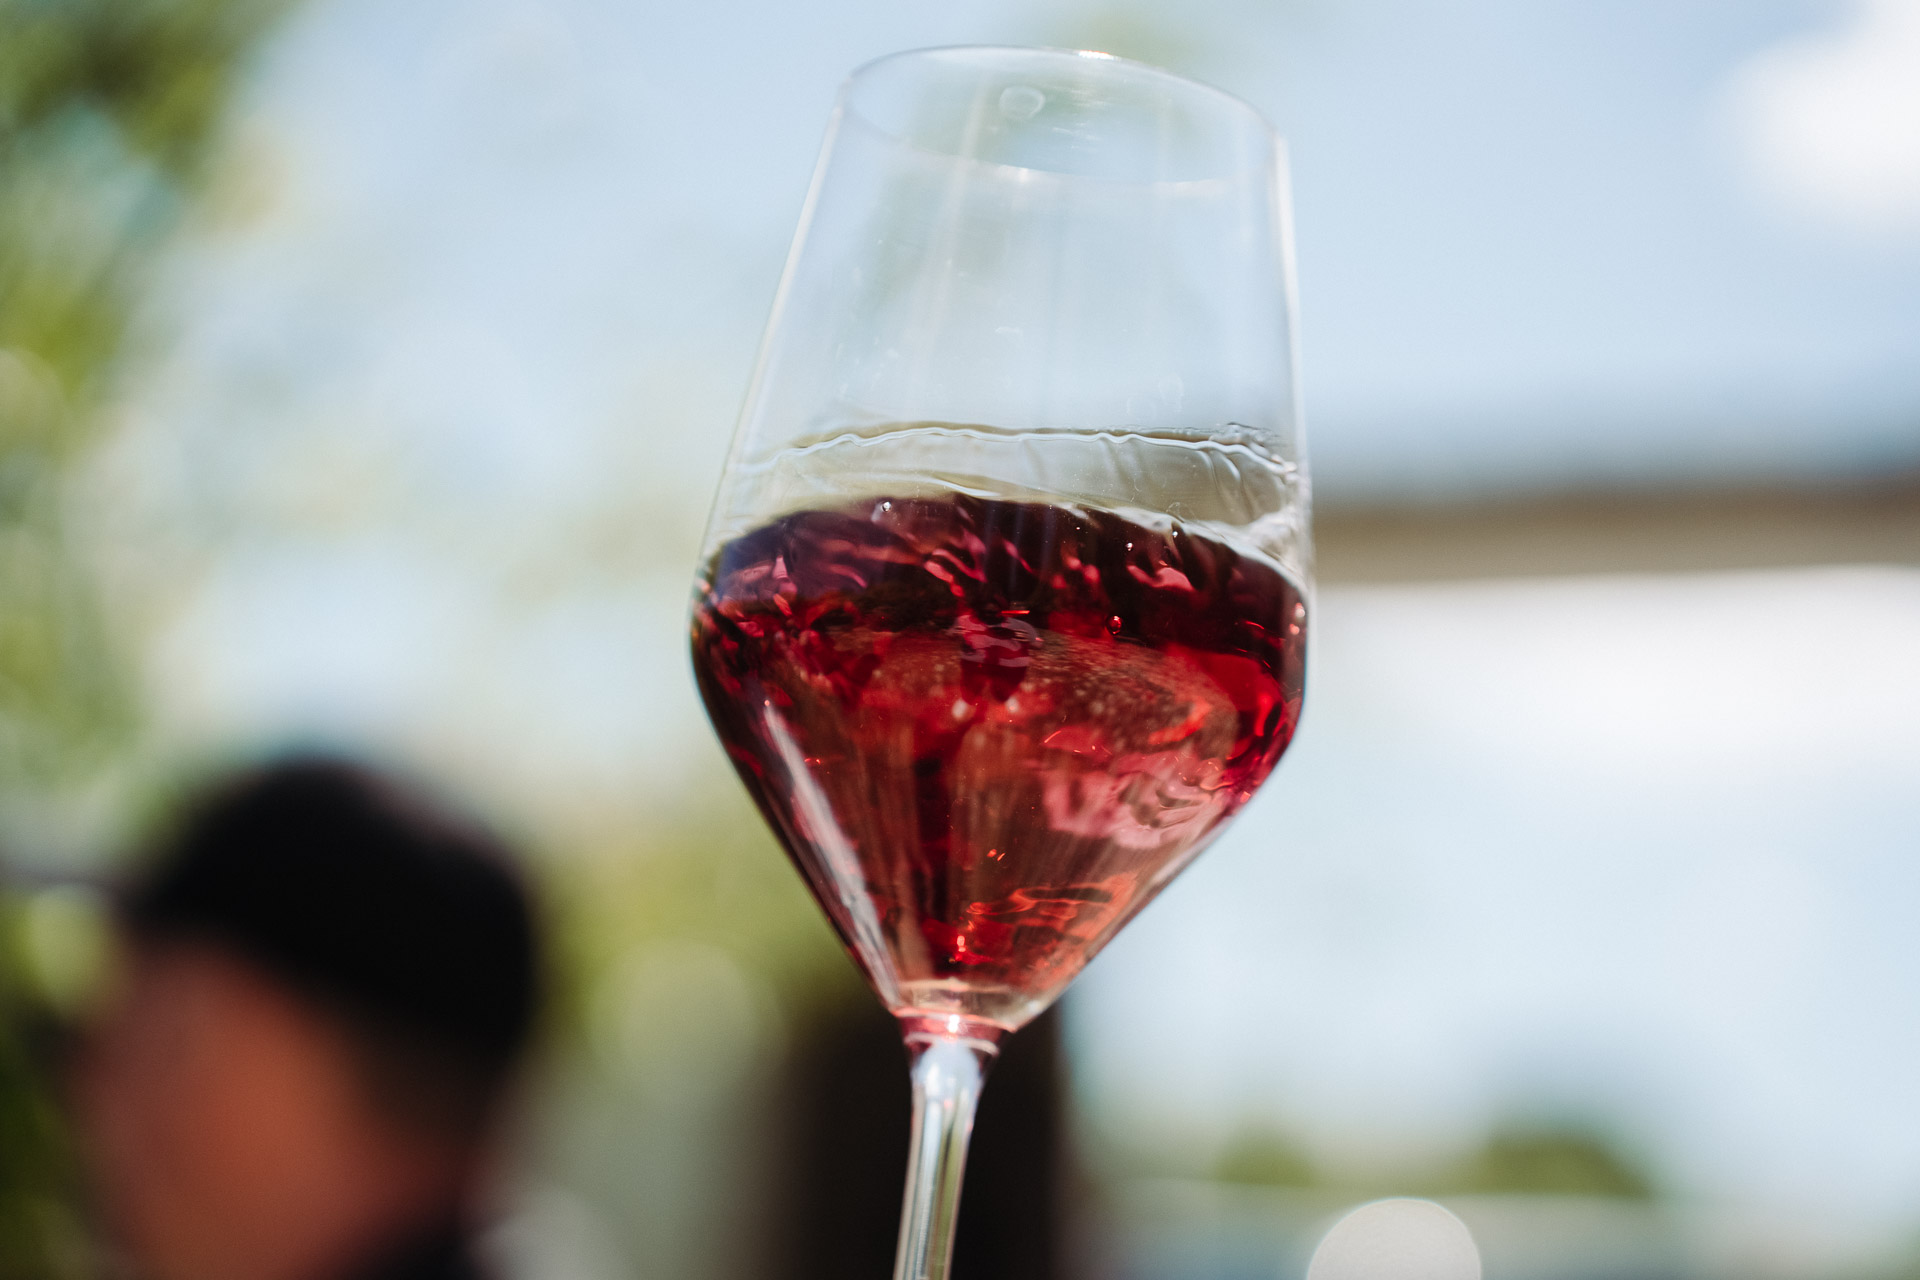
1002, 609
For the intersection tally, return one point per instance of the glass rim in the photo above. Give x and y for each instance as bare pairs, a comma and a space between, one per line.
1234, 105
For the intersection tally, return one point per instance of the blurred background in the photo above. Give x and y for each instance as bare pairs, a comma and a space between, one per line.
365, 371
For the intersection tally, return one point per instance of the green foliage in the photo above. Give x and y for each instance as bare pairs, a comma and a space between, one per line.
1262, 1157
108, 114
108, 111
160, 71
1904, 1267
40, 1232
1548, 1160
1515, 1159
1145, 33
713, 876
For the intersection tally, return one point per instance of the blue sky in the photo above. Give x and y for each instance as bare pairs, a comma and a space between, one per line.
1537, 242
1531, 252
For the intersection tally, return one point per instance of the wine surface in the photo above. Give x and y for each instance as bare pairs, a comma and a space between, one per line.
988, 732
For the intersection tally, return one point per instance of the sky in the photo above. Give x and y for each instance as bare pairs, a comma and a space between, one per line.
419, 444
1539, 244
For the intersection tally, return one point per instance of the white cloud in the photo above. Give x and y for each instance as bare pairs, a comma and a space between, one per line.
1830, 121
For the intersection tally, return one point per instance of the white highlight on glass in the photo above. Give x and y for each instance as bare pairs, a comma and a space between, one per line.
1022, 102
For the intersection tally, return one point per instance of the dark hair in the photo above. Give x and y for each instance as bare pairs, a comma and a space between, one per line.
409, 925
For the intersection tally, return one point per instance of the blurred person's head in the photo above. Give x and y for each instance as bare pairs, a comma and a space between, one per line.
328, 987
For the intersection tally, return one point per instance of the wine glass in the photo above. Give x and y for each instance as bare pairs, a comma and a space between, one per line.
1002, 609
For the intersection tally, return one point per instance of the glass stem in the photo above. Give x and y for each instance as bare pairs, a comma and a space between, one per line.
950, 1060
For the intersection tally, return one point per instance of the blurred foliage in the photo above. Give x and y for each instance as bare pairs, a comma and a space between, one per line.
1547, 1160
1165, 35
109, 113
710, 874
1145, 33
1514, 1159
41, 1231
689, 955
1906, 1267
1261, 1157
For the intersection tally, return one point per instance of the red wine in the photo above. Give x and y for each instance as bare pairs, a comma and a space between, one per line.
989, 732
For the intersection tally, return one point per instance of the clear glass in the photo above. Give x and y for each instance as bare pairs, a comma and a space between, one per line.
1003, 604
